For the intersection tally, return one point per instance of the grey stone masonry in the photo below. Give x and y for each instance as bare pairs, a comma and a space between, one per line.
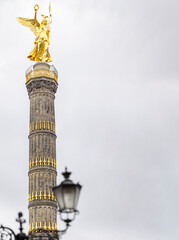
42, 83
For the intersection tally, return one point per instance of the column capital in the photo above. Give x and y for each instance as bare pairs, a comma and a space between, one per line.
41, 69
41, 75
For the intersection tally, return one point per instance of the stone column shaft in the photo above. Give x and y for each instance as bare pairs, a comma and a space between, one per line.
41, 83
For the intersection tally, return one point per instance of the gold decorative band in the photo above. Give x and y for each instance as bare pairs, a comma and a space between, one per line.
42, 225
41, 162
41, 195
41, 73
41, 125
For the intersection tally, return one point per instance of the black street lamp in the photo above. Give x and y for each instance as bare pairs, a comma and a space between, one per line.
67, 195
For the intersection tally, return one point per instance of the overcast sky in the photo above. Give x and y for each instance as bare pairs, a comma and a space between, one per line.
117, 113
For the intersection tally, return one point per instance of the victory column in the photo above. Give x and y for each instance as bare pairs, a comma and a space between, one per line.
41, 83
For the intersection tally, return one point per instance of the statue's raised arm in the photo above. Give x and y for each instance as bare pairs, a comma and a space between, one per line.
31, 23
40, 52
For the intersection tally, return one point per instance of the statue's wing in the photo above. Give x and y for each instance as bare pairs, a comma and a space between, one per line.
31, 23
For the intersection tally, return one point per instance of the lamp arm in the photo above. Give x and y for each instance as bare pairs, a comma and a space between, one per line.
61, 232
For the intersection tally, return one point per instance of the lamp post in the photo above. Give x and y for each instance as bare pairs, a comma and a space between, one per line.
67, 196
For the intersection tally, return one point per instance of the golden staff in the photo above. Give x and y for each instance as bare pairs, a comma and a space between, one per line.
50, 15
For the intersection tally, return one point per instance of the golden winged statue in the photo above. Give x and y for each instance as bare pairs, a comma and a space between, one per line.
40, 52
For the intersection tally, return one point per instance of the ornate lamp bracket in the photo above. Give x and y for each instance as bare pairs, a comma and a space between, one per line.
7, 233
